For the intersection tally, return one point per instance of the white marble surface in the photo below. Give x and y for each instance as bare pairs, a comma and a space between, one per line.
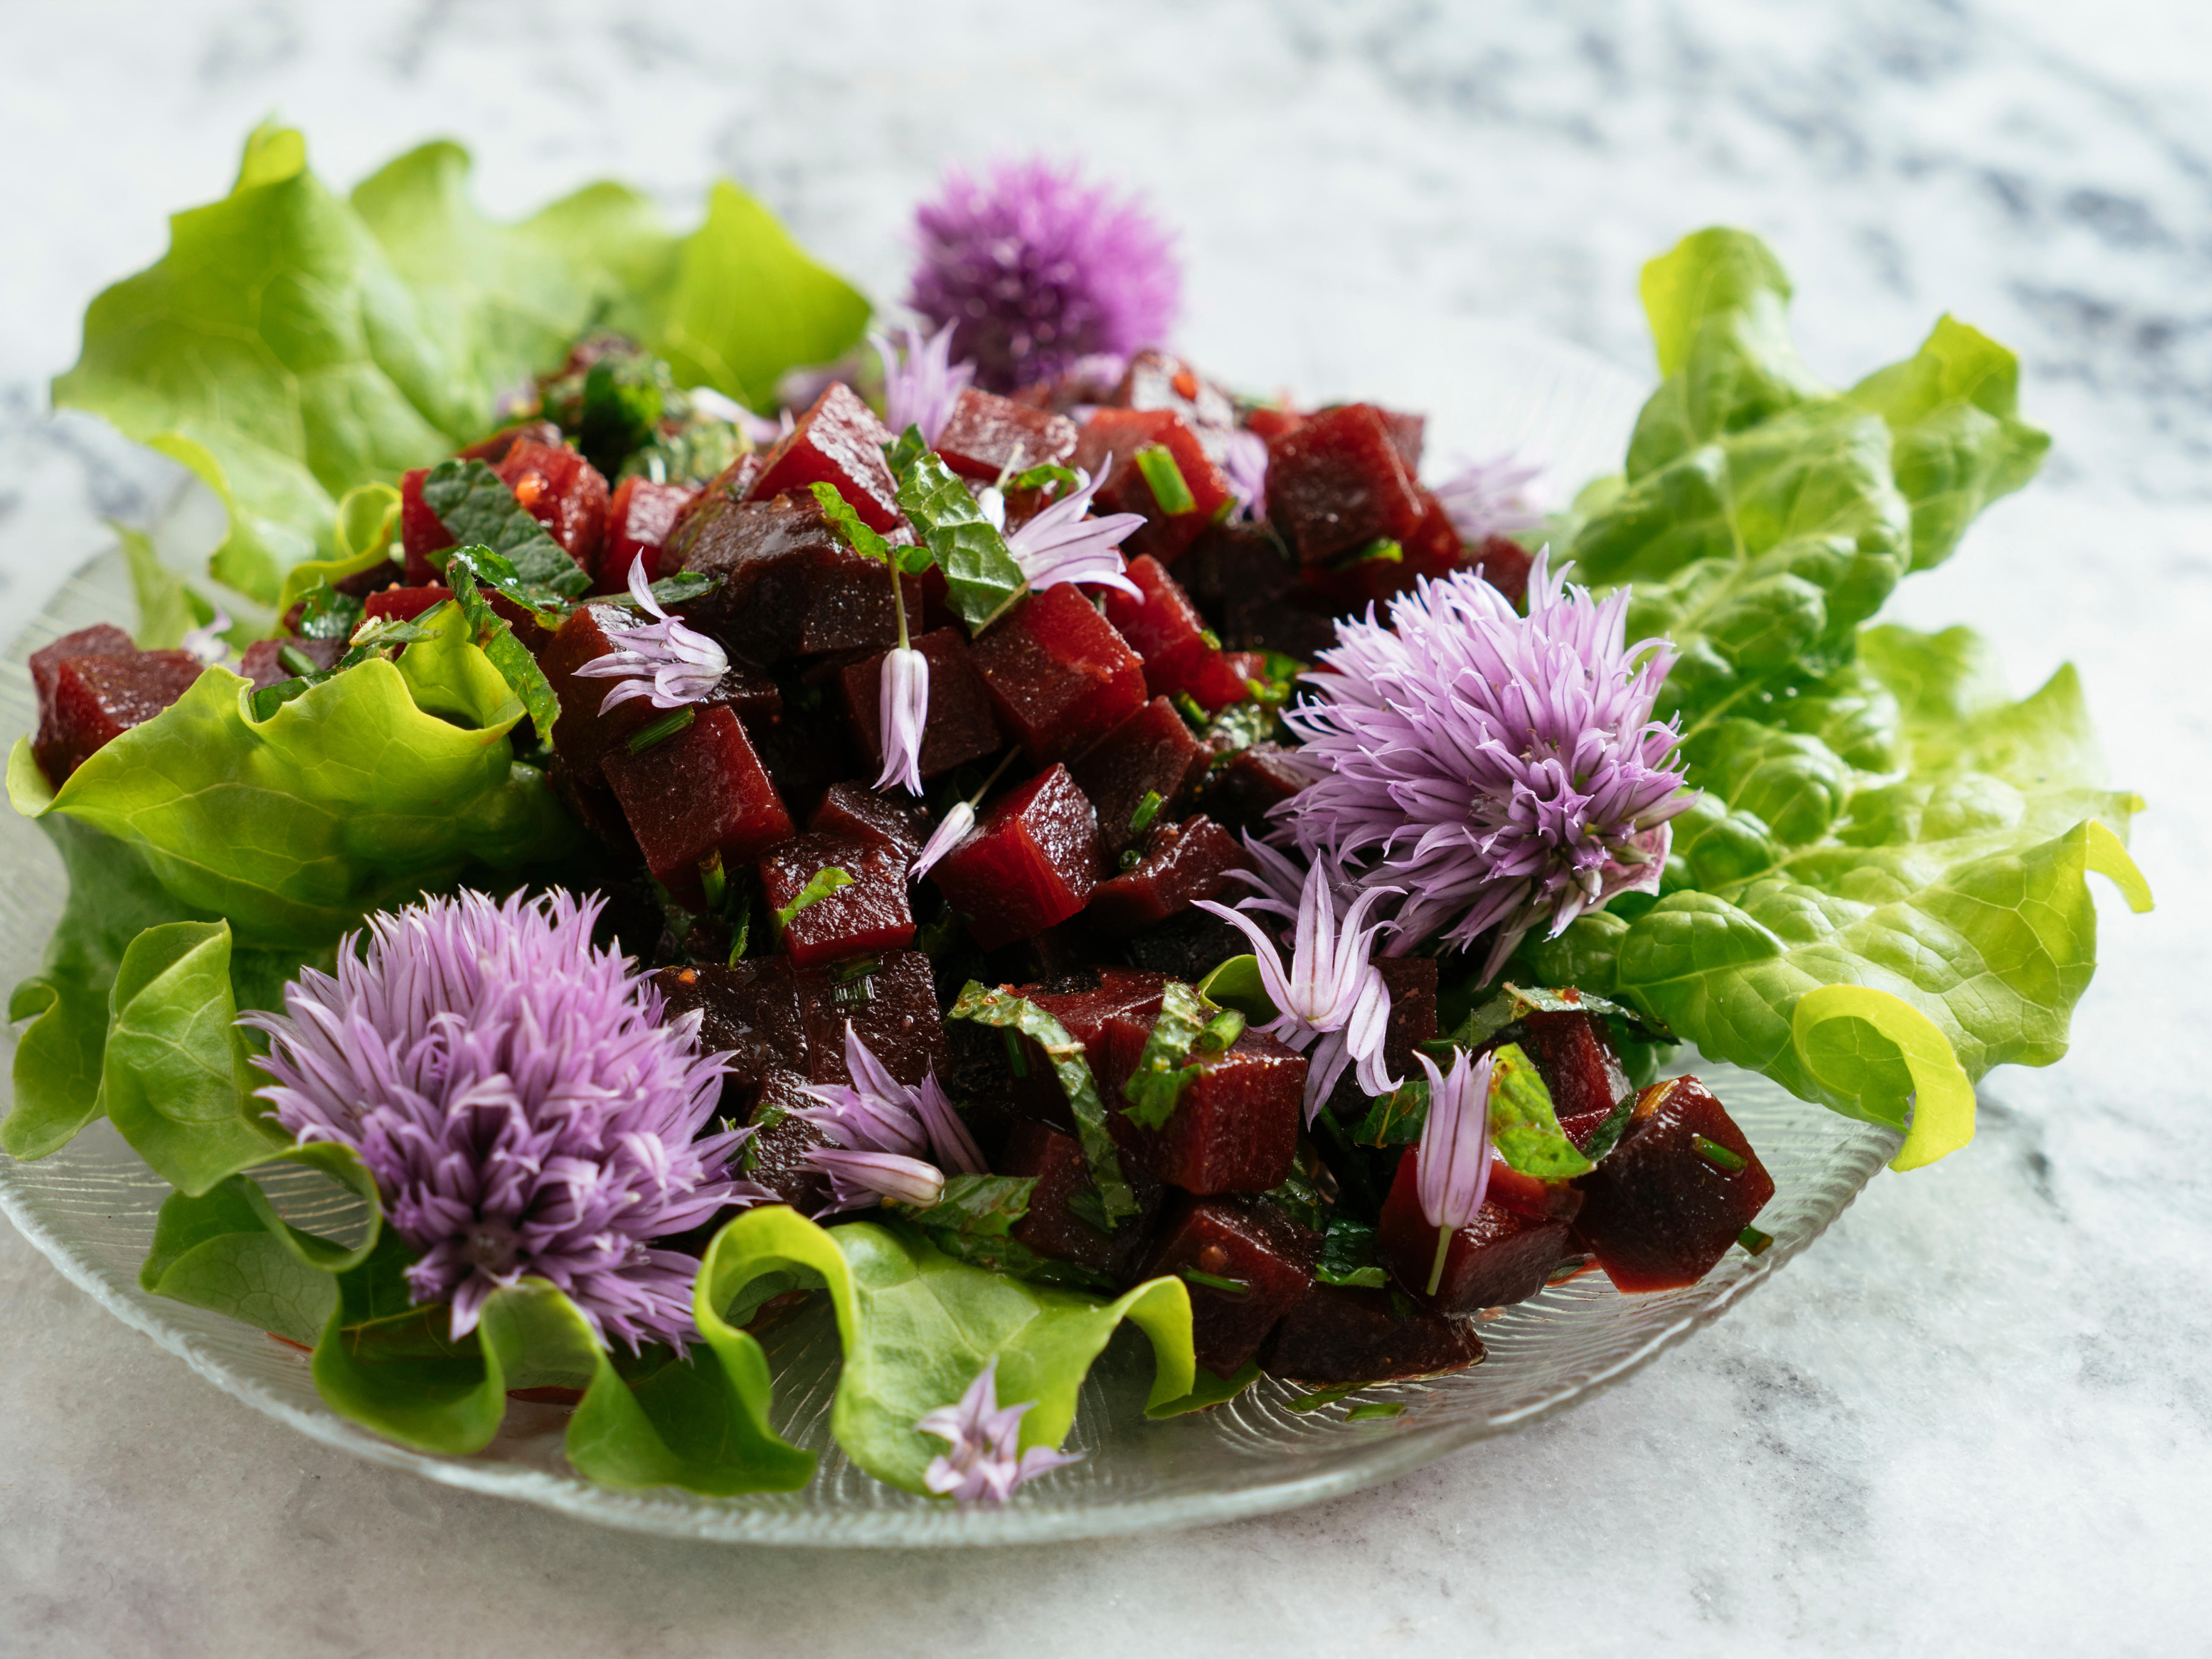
1975, 1419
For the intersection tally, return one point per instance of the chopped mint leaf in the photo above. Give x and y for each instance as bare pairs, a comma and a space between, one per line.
1395, 1119
903, 451
1010, 1013
380, 634
818, 887
836, 509
1349, 1254
1523, 1125
981, 577
1038, 477
506, 653
1166, 480
1608, 1134
475, 505
980, 1206
1164, 1069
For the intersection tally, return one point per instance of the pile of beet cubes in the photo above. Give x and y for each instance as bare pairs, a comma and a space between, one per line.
1117, 797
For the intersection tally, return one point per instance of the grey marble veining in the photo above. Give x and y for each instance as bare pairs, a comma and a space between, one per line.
1974, 1419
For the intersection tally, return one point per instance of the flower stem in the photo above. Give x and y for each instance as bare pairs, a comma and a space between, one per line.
984, 788
1443, 1248
898, 597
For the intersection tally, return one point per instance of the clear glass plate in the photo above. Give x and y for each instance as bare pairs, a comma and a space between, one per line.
91, 1208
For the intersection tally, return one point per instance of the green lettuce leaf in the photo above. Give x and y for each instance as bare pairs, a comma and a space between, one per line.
918, 1326
388, 779
292, 345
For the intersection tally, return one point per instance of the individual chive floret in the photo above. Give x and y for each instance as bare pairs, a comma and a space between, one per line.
890, 1140
922, 384
1452, 1161
666, 664
520, 1104
983, 1463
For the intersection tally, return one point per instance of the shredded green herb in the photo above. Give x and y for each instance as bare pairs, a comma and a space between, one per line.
1165, 478
1164, 1070
659, 732
1147, 809
819, 886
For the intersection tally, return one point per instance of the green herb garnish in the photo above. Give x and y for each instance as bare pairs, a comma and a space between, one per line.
1719, 1156
1754, 1240
1216, 1282
1164, 1069
819, 886
660, 731
1147, 809
1165, 480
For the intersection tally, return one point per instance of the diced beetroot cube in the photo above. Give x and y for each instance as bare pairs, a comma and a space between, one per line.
700, 793
731, 484
1505, 564
1250, 784
870, 915
1254, 1246
1235, 1128
1337, 483
1031, 861
1433, 551
892, 1009
101, 640
1119, 434
750, 1011
1088, 1017
1151, 752
1406, 432
1661, 1209
420, 531
985, 435
1188, 945
1503, 1257
1240, 577
806, 752
774, 1155
1172, 638
96, 698
583, 734
1058, 673
1338, 1334
960, 727
639, 519
1183, 864
1575, 1058
262, 661
562, 491
493, 449
839, 442
1411, 982
1050, 1227
861, 814
789, 583
1160, 379
1273, 422
404, 603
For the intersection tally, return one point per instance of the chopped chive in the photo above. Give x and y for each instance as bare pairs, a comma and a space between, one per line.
1754, 1240
1131, 858
1380, 550
661, 730
710, 877
1371, 1408
1566, 1270
741, 931
859, 968
297, 660
1212, 639
1220, 1032
1189, 708
1316, 1400
1716, 1155
1166, 480
1147, 809
1216, 1282
1017, 1061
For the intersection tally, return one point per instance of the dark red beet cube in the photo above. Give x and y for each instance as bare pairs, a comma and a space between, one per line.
861, 814
749, 1011
583, 734
1254, 1246
1058, 674
1433, 550
1183, 864
839, 442
1153, 752
1051, 1228
1576, 1059
1411, 982
1406, 432
1338, 483
562, 491
263, 663
1503, 1258
730, 485
985, 435
892, 1008
639, 519
1505, 564
1249, 785
493, 449
1338, 1334
789, 583
1119, 435
1273, 422
1171, 637
404, 603
1160, 379
774, 1154
806, 752
1235, 1128
1088, 1017
960, 727
700, 793
420, 531
101, 640
96, 698
870, 915
1660, 1210
1031, 861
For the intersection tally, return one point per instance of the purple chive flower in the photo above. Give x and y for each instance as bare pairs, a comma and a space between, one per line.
1451, 1169
901, 714
1332, 997
983, 1465
1034, 269
885, 1131
942, 840
206, 643
522, 1107
1483, 499
1062, 545
664, 662
922, 389
1501, 771
1245, 465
